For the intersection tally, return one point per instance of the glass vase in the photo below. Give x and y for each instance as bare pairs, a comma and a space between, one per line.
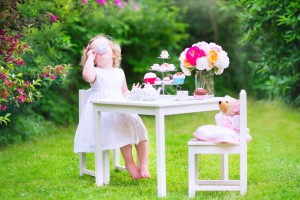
205, 79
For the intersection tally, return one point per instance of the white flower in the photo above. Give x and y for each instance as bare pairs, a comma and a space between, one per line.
222, 61
219, 71
185, 70
215, 47
202, 63
202, 45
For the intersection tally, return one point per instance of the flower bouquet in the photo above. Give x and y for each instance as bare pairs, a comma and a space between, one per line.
207, 59
204, 56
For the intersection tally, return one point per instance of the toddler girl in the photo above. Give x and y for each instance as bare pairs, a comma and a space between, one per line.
101, 61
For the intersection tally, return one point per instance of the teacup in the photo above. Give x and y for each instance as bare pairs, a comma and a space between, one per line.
182, 94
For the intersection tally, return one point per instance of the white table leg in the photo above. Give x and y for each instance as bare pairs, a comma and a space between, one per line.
98, 148
160, 153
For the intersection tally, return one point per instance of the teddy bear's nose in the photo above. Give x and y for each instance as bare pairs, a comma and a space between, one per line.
220, 102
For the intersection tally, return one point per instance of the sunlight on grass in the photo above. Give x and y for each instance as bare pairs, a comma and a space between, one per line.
47, 168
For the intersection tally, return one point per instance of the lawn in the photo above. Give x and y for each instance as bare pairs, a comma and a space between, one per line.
47, 168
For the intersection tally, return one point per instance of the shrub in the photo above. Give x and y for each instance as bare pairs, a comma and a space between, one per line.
272, 28
22, 83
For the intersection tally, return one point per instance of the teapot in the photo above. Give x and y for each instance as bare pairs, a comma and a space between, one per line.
149, 93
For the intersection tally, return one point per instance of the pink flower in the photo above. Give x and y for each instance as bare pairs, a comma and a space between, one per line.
20, 90
118, 3
193, 53
3, 107
103, 2
8, 82
22, 98
2, 76
84, 1
53, 18
53, 77
44, 75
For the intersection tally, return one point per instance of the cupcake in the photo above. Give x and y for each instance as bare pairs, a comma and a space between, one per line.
157, 80
178, 78
155, 67
200, 93
164, 54
167, 79
163, 67
150, 77
171, 67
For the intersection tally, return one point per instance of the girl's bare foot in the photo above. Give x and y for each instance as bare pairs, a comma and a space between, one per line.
133, 171
144, 172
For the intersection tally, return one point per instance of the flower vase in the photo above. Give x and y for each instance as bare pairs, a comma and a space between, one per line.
205, 79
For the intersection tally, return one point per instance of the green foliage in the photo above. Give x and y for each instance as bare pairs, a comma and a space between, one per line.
25, 125
272, 28
20, 80
211, 21
143, 29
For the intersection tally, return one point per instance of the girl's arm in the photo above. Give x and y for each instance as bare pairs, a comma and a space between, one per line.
88, 72
125, 88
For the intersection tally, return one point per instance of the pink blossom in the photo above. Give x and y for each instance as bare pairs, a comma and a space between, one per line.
53, 18
2, 76
22, 98
44, 75
193, 53
53, 77
84, 1
103, 2
118, 3
20, 90
3, 107
8, 82
27, 83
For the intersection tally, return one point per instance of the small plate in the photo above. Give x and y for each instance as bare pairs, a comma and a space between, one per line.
163, 58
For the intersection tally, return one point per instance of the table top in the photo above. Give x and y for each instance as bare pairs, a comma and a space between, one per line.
162, 101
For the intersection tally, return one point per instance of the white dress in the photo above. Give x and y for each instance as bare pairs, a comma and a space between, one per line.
118, 129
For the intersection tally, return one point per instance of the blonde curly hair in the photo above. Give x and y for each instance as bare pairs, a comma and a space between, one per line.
116, 49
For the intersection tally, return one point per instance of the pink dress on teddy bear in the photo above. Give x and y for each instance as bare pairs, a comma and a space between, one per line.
227, 128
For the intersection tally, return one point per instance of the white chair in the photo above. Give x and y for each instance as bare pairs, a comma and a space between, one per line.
83, 95
196, 147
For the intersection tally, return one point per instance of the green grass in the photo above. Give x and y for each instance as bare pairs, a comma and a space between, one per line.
47, 168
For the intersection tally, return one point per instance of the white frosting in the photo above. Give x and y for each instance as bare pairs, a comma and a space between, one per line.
171, 67
164, 54
178, 76
150, 75
155, 66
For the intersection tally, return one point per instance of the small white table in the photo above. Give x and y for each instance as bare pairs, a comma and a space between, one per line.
165, 105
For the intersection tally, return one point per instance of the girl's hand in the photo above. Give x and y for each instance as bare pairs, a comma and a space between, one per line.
136, 85
90, 53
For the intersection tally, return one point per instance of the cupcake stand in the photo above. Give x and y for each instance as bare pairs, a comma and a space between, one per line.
163, 83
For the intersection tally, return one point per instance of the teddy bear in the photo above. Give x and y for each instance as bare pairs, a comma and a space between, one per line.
229, 115
227, 126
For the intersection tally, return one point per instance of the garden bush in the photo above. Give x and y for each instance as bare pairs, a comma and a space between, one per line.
22, 83
271, 28
57, 31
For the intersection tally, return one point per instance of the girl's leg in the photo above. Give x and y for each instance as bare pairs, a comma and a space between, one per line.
142, 151
129, 162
